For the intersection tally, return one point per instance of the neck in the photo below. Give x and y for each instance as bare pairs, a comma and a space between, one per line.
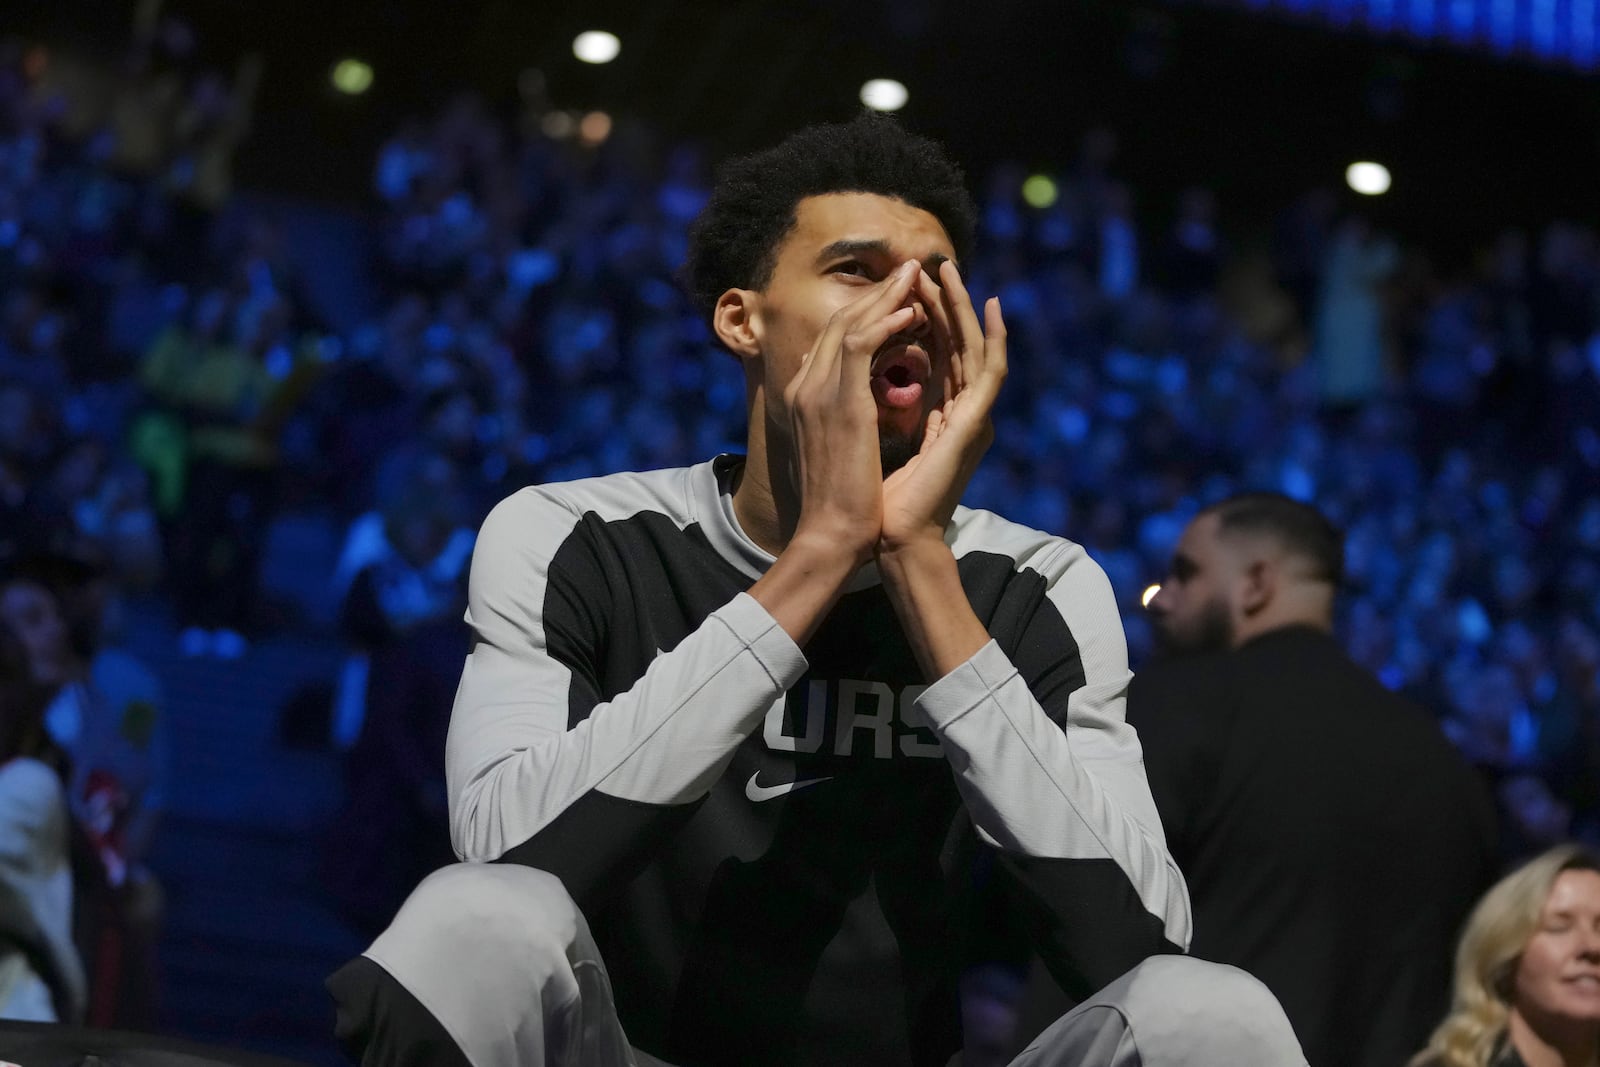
1252, 628
763, 501
1555, 1042
1293, 606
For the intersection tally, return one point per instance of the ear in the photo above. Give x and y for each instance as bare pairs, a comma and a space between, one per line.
736, 320
1257, 586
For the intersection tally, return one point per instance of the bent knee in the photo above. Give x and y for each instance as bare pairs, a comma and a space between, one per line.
489, 908
1188, 976
1194, 1004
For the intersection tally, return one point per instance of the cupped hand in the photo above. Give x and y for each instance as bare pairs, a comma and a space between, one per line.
834, 418
919, 498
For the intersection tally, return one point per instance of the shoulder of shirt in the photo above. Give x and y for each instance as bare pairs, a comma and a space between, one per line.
671, 491
976, 530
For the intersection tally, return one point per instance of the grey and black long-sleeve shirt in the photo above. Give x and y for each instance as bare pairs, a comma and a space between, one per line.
776, 847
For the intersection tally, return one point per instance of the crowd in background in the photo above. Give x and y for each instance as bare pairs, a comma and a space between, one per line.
167, 392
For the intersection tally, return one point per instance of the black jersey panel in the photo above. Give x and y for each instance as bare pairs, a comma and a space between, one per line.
594, 877
1013, 604
1088, 923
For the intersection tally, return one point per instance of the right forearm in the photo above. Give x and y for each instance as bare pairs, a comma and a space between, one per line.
804, 583
515, 767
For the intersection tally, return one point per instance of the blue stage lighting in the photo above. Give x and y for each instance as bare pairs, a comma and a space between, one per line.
1556, 31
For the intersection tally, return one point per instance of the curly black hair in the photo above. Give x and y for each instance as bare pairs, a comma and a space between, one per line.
734, 243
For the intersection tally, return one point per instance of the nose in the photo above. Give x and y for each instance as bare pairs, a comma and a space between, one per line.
923, 324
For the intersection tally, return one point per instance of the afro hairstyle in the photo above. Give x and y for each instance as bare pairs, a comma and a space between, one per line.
734, 242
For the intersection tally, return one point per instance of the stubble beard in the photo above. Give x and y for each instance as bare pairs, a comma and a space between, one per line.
1210, 632
895, 450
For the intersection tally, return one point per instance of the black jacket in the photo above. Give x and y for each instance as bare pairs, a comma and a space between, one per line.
1332, 838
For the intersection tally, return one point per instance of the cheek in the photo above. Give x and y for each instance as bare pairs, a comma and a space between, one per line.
1188, 596
1536, 980
1168, 602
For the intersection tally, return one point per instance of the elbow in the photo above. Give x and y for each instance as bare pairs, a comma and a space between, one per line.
477, 827
503, 804
1178, 920
468, 830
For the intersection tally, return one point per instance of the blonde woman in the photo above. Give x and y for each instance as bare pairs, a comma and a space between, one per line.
1527, 980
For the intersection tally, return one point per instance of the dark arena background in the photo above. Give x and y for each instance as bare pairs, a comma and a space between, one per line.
291, 293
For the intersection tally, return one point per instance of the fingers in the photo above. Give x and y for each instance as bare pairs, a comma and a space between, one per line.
855, 332
932, 297
968, 333
982, 348
994, 339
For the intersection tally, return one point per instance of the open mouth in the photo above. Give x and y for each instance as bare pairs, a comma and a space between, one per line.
900, 372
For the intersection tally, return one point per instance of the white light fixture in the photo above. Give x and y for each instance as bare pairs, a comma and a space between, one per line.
884, 94
1368, 179
1149, 595
596, 46
351, 76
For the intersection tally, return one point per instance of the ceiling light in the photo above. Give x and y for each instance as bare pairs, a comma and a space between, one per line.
596, 46
1368, 179
884, 94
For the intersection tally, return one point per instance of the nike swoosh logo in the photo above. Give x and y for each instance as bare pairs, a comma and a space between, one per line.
759, 793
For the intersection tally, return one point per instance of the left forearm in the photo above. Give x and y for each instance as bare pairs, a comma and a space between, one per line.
924, 586
1072, 814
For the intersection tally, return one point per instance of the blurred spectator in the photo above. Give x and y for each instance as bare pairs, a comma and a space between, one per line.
1118, 240
1351, 346
224, 385
1527, 972
1331, 838
401, 568
1193, 254
41, 976
104, 712
1300, 245
402, 618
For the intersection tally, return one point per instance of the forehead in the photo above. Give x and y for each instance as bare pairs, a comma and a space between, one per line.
1200, 539
820, 221
1573, 891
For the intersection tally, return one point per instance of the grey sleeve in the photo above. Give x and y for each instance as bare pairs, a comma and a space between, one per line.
520, 754
1055, 782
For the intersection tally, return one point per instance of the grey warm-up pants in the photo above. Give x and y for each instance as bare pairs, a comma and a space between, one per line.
498, 964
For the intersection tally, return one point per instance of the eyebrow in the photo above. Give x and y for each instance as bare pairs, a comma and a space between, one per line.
877, 246
855, 247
